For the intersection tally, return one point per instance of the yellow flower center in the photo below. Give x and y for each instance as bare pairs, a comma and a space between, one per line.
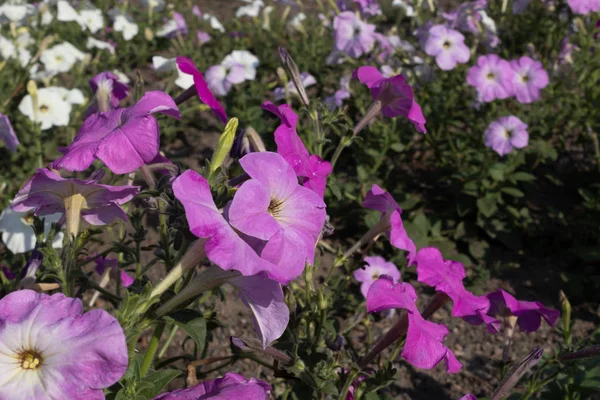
44, 108
30, 359
274, 207
446, 44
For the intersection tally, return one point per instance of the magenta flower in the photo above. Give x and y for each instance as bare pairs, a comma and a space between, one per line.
584, 6
124, 139
447, 46
51, 350
492, 77
529, 313
375, 267
312, 170
506, 134
47, 192
468, 396
528, 79
447, 277
231, 386
108, 90
112, 265
7, 134
424, 346
353, 36
380, 200
187, 66
396, 96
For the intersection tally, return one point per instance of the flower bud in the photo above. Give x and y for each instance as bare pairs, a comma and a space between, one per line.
294, 74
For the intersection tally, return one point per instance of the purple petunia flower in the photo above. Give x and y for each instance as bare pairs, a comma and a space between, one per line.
203, 37
112, 265
468, 396
375, 267
108, 91
447, 46
124, 139
382, 201
173, 27
46, 193
7, 133
446, 276
528, 79
529, 313
353, 37
341, 94
584, 6
187, 67
8, 274
492, 77
311, 168
396, 96
424, 346
505, 134
231, 386
51, 350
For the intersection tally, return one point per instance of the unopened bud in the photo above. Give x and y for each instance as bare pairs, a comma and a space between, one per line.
148, 34
516, 373
294, 73
565, 307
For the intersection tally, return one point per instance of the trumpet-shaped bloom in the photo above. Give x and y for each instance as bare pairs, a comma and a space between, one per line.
108, 88
424, 346
492, 77
506, 134
528, 79
353, 36
46, 191
124, 139
311, 168
231, 386
529, 313
447, 277
394, 93
17, 231
187, 67
49, 349
375, 267
7, 133
447, 46
380, 200
52, 108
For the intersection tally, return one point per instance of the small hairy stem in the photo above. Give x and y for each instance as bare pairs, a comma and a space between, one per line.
352, 375
163, 350
152, 347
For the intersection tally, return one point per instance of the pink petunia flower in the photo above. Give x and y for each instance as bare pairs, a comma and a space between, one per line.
51, 350
312, 170
353, 37
375, 267
506, 134
528, 79
187, 66
7, 134
396, 96
492, 77
424, 346
446, 277
124, 139
231, 386
447, 46
108, 91
382, 201
584, 6
529, 313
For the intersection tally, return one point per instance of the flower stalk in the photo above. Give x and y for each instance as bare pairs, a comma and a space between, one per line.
73, 206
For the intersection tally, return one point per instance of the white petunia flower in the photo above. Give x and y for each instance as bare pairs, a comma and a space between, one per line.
16, 11
99, 44
7, 48
214, 22
52, 108
122, 77
91, 19
409, 10
61, 58
17, 231
250, 10
156, 5
162, 64
65, 12
296, 21
73, 96
127, 27
244, 58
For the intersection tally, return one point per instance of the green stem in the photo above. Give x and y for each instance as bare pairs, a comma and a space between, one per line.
163, 350
152, 347
351, 377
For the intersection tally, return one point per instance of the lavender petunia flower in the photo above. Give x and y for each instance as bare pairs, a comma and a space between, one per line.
447, 46
124, 139
203, 37
468, 396
584, 6
51, 350
311, 168
394, 93
174, 27
424, 346
111, 265
446, 276
231, 386
108, 90
307, 80
341, 94
529, 313
353, 37
46, 193
375, 267
529, 78
382, 201
492, 77
7, 134
187, 67
506, 134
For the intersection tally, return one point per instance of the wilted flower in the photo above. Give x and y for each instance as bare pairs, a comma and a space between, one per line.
17, 232
529, 313
424, 346
447, 46
109, 91
51, 350
53, 109
353, 37
231, 386
506, 134
492, 77
375, 267
529, 78
307, 80
124, 139
7, 133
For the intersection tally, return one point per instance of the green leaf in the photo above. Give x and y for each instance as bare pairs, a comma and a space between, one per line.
513, 192
522, 176
193, 323
158, 381
497, 172
224, 145
487, 205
